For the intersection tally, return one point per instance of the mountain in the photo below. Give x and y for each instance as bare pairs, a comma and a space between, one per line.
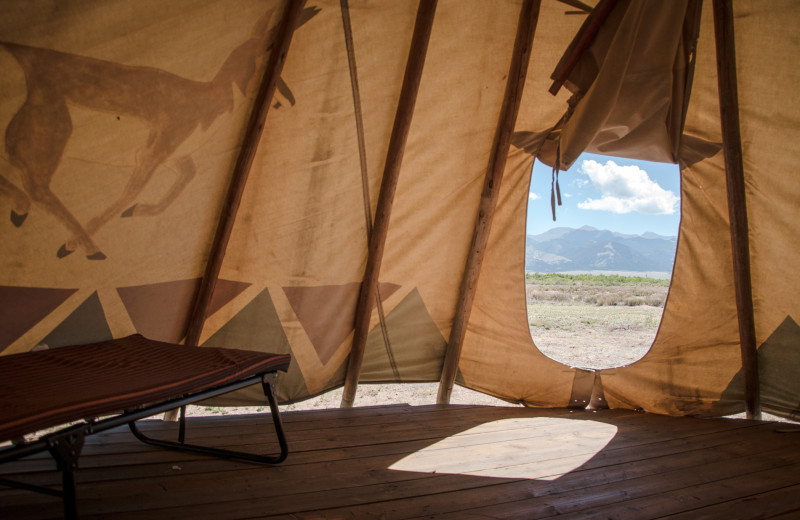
590, 249
552, 234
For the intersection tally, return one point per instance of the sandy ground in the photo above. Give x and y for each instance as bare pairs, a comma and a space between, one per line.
593, 350
415, 394
589, 336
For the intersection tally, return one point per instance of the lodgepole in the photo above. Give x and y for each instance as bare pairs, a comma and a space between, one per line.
526, 28
737, 203
244, 161
391, 172
241, 171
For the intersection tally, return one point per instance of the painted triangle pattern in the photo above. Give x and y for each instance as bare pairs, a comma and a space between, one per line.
416, 343
255, 327
327, 313
224, 292
161, 311
258, 327
778, 366
86, 324
21, 308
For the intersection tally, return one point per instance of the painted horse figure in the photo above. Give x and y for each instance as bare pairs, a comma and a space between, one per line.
172, 107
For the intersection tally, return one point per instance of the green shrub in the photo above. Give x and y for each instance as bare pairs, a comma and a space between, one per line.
594, 279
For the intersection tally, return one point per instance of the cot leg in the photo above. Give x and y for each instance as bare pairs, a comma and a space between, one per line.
182, 425
65, 448
267, 381
68, 489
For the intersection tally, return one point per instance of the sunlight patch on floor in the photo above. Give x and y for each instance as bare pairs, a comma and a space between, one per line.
542, 448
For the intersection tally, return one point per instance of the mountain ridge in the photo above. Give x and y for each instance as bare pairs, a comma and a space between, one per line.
591, 249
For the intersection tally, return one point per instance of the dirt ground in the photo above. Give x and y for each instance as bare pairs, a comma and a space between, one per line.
415, 394
595, 337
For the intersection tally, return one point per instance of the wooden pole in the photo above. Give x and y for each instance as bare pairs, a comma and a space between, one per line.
394, 158
518, 70
255, 126
241, 170
362, 154
737, 203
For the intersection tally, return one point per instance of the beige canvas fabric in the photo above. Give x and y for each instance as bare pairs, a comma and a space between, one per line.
769, 120
122, 122
119, 103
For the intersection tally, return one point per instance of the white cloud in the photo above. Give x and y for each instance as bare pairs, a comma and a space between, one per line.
566, 195
533, 196
626, 189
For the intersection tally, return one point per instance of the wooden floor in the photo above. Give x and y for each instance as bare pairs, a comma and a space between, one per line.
455, 462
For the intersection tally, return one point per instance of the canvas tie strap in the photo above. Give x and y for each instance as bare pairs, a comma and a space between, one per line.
555, 190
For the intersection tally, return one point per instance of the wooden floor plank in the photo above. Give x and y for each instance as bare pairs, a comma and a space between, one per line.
582, 501
780, 503
133, 452
582, 488
693, 500
388, 462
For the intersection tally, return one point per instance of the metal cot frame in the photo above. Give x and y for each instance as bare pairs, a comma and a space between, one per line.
65, 445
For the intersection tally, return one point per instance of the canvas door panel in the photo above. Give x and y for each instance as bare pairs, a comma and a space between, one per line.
631, 105
696, 350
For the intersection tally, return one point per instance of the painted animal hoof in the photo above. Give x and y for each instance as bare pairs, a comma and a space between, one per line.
63, 251
129, 212
96, 256
18, 219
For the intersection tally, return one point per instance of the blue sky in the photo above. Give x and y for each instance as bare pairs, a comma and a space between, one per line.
622, 195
